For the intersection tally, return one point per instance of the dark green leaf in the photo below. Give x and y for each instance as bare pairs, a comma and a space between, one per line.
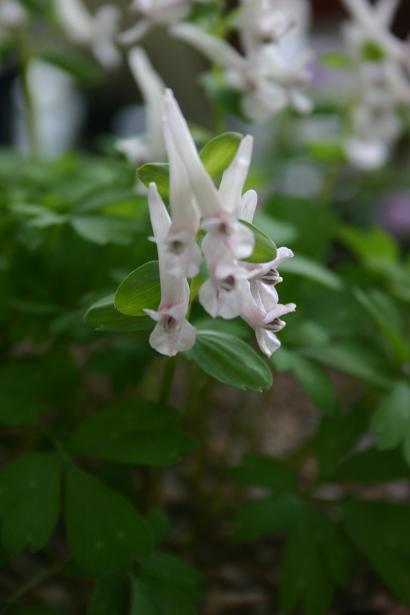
29, 501
103, 230
21, 405
372, 466
391, 422
230, 360
264, 471
372, 52
132, 432
105, 533
139, 291
34, 609
381, 531
103, 316
265, 517
110, 597
75, 64
264, 250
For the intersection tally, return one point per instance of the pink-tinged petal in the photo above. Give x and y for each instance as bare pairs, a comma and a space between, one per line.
242, 241
280, 310
267, 341
186, 337
202, 186
386, 11
265, 296
134, 34
184, 256
154, 314
282, 254
233, 179
170, 342
208, 298
248, 206
219, 302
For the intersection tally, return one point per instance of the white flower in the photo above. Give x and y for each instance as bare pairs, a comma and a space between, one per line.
150, 146
172, 333
12, 16
264, 314
154, 13
272, 71
95, 31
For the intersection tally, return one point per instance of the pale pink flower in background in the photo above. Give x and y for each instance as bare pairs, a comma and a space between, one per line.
97, 31
154, 13
151, 145
172, 333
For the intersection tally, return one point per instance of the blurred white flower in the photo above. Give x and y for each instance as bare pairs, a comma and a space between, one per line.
151, 145
155, 13
172, 333
97, 31
12, 16
383, 83
272, 71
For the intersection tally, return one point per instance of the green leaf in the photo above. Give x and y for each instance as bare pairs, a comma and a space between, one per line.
219, 152
29, 501
391, 421
336, 60
314, 380
103, 316
77, 65
351, 359
166, 585
139, 291
222, 356
316, 541
264, 471
157, 173
372, 52
326, 151
132, 432
307, 268
372, 466
381, 531
103, 230
264, 250
110, 597
216, 155
265, 517
105, 533
336, 436
381, 308
21, 405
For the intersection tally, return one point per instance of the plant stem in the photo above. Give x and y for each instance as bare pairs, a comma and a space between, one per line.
167, 380
37, 580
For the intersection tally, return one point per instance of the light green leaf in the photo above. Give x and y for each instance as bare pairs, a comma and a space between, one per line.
216, 155
103, 316
391, 421
139, 291
157, 173
105, 533
264, 250
29, 501
381, 531
264, 471
219, 152
336, 60
103, 230
230, 360
132, 432
312, 270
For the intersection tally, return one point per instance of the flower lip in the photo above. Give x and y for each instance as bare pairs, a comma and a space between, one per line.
275, 325
168, 322
228, 283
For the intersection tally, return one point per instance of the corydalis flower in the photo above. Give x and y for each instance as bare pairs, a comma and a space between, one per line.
97, 31
272, 71
12, 16
150, 146
172, 333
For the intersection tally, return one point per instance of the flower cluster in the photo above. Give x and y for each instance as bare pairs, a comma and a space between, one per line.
234, 288
98, 31
382, 70
271, 72
153, 13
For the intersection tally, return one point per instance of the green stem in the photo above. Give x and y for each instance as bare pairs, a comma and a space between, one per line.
167, 380
33, 583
